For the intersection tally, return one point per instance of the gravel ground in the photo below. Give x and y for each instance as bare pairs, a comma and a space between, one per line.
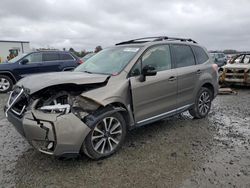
177, 152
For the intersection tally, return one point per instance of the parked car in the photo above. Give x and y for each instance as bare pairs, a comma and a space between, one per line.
134, 83
87, 56
237, 71
33, 63
219, 58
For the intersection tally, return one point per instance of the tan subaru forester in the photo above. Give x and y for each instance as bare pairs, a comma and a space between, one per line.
134, 83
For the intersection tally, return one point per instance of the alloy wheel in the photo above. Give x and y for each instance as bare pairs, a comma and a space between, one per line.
204, 103
106, 135
4, 84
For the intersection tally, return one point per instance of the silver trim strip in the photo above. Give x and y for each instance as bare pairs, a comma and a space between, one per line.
163, 114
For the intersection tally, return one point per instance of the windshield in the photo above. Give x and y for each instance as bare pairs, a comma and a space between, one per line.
17, 58
109, 61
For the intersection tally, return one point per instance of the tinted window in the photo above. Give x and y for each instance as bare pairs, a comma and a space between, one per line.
66, 57
159, 57
200, 54
183, 55
50, 56
34, 57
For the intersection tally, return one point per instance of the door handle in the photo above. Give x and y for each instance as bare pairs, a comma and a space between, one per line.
172, 78
198, 71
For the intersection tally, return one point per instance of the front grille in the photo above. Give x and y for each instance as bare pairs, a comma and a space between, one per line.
18, 101
235, 74
14, 94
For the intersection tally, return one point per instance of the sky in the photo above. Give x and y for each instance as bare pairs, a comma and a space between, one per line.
85, 24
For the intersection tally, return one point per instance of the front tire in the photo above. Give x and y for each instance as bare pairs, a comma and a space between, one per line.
202, 104
6, 84
106, 137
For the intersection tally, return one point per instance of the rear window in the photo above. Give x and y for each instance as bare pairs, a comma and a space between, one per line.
51, 57
200, 54
183, 55
66, 57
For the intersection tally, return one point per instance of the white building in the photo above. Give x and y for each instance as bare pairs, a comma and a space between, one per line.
15, 47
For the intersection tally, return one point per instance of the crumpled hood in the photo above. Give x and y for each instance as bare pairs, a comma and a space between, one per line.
40, 81
237, 66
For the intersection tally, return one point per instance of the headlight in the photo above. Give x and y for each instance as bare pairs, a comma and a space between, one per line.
58, 108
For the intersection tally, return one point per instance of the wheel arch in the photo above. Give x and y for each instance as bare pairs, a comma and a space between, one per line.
124, 113
209, 86
10, 75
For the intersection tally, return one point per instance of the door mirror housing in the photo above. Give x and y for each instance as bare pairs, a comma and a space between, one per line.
148, 70
24, 61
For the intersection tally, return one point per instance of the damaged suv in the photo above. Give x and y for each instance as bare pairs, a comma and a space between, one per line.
134, 83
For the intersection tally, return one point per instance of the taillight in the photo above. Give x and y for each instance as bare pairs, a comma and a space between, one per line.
80, 62
215, 67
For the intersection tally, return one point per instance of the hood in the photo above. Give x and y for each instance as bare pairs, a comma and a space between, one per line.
4, 65
237, 66
40, 81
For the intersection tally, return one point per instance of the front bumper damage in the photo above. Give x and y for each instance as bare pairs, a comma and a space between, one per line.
53, 134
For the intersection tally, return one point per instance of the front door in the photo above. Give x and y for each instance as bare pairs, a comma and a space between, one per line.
157, 95
32, 66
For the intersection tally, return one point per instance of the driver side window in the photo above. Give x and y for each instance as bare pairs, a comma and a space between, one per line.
34, 58
158, 57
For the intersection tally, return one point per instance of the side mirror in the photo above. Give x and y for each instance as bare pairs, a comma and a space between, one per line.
24, 61
147, 70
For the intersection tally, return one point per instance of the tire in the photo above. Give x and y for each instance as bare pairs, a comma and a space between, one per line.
6, 84
202, 104
103, 141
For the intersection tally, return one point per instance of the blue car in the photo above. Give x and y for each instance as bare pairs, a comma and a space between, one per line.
34, 63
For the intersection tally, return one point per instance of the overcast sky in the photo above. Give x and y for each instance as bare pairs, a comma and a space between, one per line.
84, 24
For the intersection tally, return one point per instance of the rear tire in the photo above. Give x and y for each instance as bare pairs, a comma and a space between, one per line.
106, 137
6, 84
202, 104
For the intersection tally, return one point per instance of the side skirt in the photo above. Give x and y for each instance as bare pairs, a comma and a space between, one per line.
162, 116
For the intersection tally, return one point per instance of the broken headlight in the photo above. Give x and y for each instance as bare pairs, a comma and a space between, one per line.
57, 108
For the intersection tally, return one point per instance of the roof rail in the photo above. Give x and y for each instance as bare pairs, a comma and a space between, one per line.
153, 39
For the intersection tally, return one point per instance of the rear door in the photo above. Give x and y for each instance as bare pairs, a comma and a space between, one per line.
51, 62
69, 62
157, 95
186, 74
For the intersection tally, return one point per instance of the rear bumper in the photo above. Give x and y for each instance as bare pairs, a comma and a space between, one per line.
52, 134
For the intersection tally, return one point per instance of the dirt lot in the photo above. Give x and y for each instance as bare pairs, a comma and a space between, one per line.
177, 152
